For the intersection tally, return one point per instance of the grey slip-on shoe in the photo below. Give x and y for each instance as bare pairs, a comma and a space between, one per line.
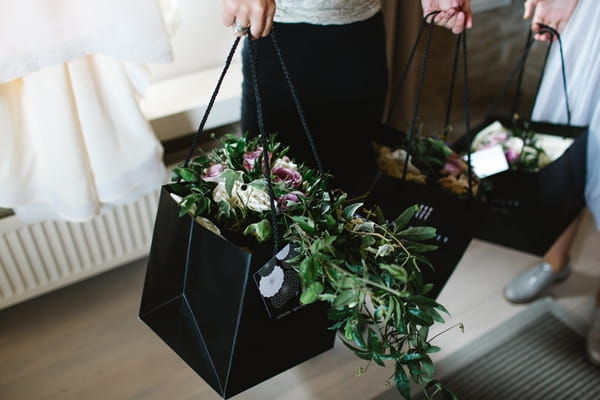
530, 283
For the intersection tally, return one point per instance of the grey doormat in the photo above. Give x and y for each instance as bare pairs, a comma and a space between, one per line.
537, 355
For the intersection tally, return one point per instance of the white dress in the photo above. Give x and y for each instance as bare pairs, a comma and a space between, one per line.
581, 43
74, 141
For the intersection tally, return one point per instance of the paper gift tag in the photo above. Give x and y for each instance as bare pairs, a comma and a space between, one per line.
279, 284
489, 161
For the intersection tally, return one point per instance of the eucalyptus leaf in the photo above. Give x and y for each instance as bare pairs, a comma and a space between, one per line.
350, 210
261, 230
420, 317
421, 247
434, 349
396, 271
305, 223
403, 219
418, 233
357, 336
402, 382
311, 293
427, 368
188, 175
412, 357
346, 298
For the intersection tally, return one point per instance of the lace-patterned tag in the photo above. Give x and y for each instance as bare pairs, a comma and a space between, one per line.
279, 284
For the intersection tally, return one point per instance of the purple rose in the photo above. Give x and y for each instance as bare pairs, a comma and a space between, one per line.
251, 157
454, 165
213, 173
289, 176
290, 197
512, 154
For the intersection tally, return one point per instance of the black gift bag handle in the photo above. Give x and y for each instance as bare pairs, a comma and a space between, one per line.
262, 134
554, 34
461, 44
519, 70
211, 102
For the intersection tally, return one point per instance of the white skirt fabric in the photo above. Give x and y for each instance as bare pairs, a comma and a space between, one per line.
73, 139
581, 44
35, 34
74, 142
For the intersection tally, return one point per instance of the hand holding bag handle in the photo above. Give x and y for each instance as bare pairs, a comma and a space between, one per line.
460, 43
520, 70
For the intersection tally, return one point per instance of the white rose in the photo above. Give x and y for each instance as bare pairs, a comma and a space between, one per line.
243, 195
285, 162
514, 143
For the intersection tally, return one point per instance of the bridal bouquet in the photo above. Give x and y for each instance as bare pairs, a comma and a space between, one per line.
367, 268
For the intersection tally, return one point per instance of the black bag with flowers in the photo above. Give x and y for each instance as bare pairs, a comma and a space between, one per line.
239, 312
530, 204
424, 170
231, 312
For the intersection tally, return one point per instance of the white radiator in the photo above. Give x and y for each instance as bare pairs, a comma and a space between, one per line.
38, 258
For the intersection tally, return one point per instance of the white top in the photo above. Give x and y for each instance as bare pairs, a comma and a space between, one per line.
325, 12
581, 41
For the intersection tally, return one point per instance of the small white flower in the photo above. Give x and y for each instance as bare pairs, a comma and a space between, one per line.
384, 250
269, 285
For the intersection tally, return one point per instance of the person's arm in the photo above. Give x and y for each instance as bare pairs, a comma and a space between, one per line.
256, 14
455, 15
553, 13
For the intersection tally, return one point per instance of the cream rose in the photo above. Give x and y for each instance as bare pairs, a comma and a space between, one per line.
243, 195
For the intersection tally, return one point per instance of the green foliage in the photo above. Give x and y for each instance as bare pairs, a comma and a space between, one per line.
368, 270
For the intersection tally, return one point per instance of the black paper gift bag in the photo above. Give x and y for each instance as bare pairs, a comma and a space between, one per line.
453, 216
528, 210
202, 297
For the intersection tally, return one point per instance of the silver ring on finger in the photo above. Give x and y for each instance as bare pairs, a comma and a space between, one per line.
241, 29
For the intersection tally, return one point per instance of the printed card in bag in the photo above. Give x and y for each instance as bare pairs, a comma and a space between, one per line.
279, 284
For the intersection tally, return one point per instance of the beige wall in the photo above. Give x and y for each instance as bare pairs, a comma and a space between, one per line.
200, 42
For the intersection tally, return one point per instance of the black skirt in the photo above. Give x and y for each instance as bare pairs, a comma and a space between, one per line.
340, 74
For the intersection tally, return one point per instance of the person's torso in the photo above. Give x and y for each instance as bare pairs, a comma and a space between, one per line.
325, 12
